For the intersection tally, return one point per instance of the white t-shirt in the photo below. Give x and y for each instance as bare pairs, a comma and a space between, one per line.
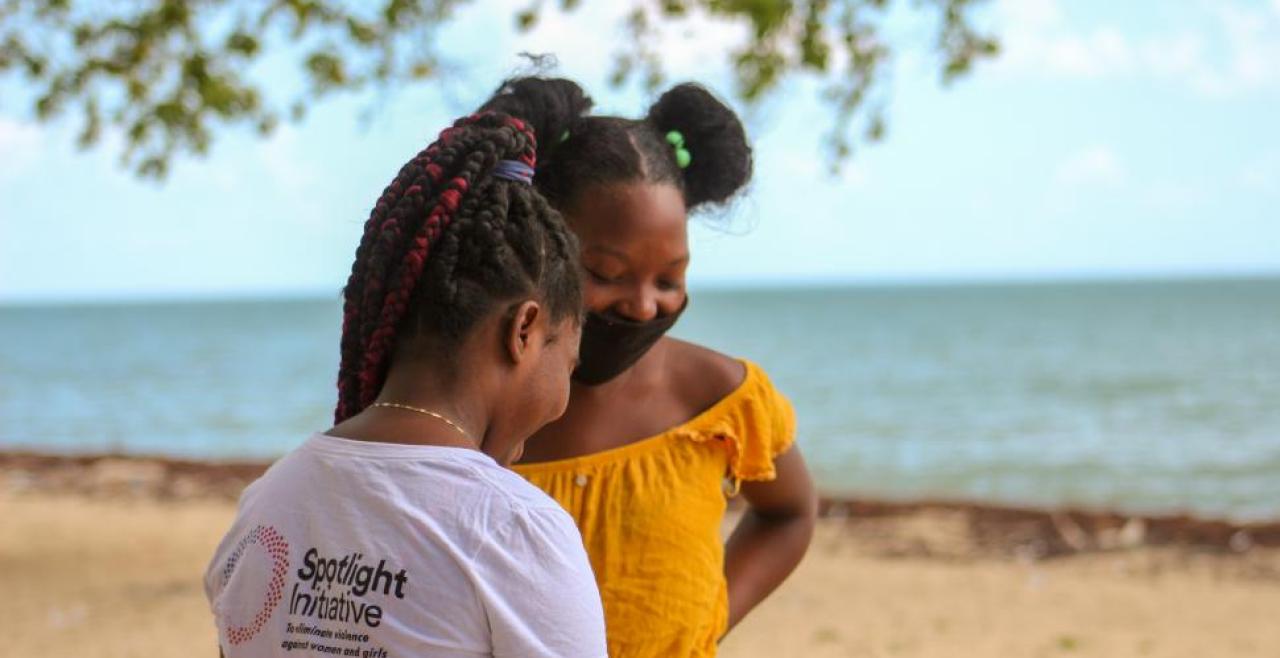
380, 550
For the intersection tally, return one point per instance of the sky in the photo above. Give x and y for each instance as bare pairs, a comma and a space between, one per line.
1107, 140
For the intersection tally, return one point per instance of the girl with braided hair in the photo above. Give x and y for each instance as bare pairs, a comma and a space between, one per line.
658, 429
398, 532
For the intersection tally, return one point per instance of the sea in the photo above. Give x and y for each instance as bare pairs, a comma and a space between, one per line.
1153, 397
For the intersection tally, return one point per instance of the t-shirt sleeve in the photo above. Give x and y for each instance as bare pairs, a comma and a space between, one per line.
538, 590
763, 427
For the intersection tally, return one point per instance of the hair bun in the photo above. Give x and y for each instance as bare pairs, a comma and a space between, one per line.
551, 106
721, 157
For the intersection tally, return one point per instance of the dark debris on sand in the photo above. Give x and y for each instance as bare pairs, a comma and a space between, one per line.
938, 529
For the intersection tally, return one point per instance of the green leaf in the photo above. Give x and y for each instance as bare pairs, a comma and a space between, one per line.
267, 125
361, 32
36, 66
113, 60
92, 125
675, 8
326, 70
154, 167
526, 19
171, 114
242, 43
422, 69
875, 128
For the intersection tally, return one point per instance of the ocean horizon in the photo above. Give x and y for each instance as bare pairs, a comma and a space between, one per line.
1138, 395
992, 280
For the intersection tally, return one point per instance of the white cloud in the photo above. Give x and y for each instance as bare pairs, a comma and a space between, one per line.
582, 39
1092, 166
483, 45
283, 161
1233, 49
20, 145
699, 43
586, 39
1102, 52
1031, 14
1254, 35
1174, 197
1035, 40
1261, 174
294, 178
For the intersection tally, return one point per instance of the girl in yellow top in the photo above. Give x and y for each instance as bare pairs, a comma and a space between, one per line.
658, 430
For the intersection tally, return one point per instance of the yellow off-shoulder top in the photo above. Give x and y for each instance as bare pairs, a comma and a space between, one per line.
650, 515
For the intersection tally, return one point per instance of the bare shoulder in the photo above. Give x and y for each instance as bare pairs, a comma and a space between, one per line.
700, 375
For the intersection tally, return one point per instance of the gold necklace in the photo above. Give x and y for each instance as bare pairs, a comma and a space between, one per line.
450, 423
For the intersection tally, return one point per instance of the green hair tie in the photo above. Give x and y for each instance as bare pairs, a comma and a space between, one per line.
564, 137
676, 140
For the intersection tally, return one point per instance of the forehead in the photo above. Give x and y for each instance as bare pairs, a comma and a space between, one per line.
630, 215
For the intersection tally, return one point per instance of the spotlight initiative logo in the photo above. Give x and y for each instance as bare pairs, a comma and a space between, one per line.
266, 543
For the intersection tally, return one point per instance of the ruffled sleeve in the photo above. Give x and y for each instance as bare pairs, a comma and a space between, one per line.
756, 423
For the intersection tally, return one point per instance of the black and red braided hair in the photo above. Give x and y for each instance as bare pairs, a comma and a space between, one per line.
445, 244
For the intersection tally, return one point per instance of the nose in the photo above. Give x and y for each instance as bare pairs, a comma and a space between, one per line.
640, 305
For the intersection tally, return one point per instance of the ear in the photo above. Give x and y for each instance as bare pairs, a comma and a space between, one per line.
521, 330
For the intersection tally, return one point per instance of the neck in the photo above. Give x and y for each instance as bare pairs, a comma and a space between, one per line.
420, 385
469, 418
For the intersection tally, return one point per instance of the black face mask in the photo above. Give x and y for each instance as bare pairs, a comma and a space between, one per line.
611, 345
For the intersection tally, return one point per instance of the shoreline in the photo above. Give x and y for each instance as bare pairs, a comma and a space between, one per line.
712, 286
991, 529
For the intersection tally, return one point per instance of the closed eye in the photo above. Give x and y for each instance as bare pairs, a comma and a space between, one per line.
600, 278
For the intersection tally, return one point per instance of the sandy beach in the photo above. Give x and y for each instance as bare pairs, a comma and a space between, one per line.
102, 557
